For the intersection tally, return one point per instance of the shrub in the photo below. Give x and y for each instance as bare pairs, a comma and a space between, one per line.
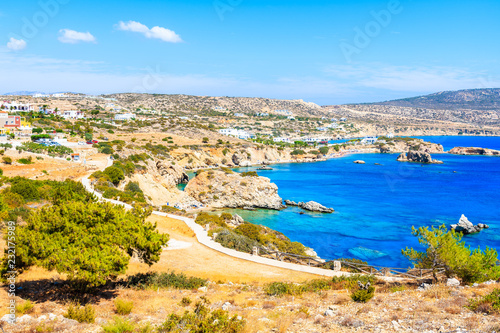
283, 288
119, 325
363, 295
324, 150
26, 189
186, 301
133, 187
444, 249
249, 174
28, 160
351, 282
84, 314
115, 174
298, 152
1, 172
165, 280
7, 160
234, 241
40, 136
123, 307
204, 140
489, 303
26, 307
107, 150
203, 320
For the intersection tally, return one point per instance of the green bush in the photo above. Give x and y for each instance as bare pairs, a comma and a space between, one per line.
363, 295
165, 280
249, 174
123, 307
114, 174
298, 152
40, 136
293, 289
7, 160
204, 218
84, 314
119, 325
350, 282
26, 307
26, 189
26, 161
133, 187
202, 319
186, 301
1, 172
235, 241
324, 150
488, 304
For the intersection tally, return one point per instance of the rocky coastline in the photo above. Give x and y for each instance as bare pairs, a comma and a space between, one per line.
474, 151
466, 227
418, 157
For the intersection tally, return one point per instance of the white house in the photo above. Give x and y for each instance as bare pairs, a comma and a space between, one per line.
369, 140
283, 112
59, 95
285, 140
15, 106
40, 95
390, 135
71, 114
125, 116
240, 134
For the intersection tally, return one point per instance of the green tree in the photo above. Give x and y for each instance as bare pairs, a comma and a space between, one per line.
115, 174
324, 150
91, 243
445, 250
88, 136
205, 140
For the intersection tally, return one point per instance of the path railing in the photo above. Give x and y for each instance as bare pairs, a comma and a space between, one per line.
353, 267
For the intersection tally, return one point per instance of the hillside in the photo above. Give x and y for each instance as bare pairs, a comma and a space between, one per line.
470, 99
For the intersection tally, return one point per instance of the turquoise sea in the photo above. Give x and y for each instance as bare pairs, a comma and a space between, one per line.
376, 205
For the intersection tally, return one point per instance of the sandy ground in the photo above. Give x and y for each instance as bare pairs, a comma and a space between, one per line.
56, 168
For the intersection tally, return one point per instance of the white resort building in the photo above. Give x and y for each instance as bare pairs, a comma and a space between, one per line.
240, 134
125, 116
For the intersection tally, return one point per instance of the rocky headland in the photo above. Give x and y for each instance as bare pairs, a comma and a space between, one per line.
474, 151
402, 145
227, 189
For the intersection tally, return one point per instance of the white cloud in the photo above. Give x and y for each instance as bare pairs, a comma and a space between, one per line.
16, 44
163, 34
72, 37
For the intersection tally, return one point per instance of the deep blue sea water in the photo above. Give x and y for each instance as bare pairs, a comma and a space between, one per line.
376, 205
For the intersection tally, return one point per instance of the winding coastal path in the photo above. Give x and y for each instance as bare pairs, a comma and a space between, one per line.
203, 238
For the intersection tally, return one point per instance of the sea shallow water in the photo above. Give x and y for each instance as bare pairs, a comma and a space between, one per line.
377, 205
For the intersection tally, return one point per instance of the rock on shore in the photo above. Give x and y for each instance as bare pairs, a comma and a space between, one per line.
219, 189
311, 206
417, 156
474, 151
466, 227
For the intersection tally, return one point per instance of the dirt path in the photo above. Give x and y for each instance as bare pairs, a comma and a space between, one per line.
199, 260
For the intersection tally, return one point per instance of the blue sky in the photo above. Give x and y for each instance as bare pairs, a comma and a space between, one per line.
329, 52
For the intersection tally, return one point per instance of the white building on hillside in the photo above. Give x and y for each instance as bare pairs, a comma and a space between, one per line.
285, 140
240, 134
15, 106
71, 114
369, 140
125, 116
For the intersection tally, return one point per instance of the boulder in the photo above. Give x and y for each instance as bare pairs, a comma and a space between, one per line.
453, 283
417, 156
291, 203
360, 162
315, 207
467, 227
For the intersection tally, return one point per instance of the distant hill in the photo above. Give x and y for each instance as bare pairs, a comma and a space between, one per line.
22, 93
471, 99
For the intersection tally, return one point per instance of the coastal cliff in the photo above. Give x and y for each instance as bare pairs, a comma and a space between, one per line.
418, 157
402, 145
474, 151
226, 189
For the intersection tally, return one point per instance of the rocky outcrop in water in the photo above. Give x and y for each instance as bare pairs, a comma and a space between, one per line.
467, 227
417, 156
221, 189
474, 151
310, 206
